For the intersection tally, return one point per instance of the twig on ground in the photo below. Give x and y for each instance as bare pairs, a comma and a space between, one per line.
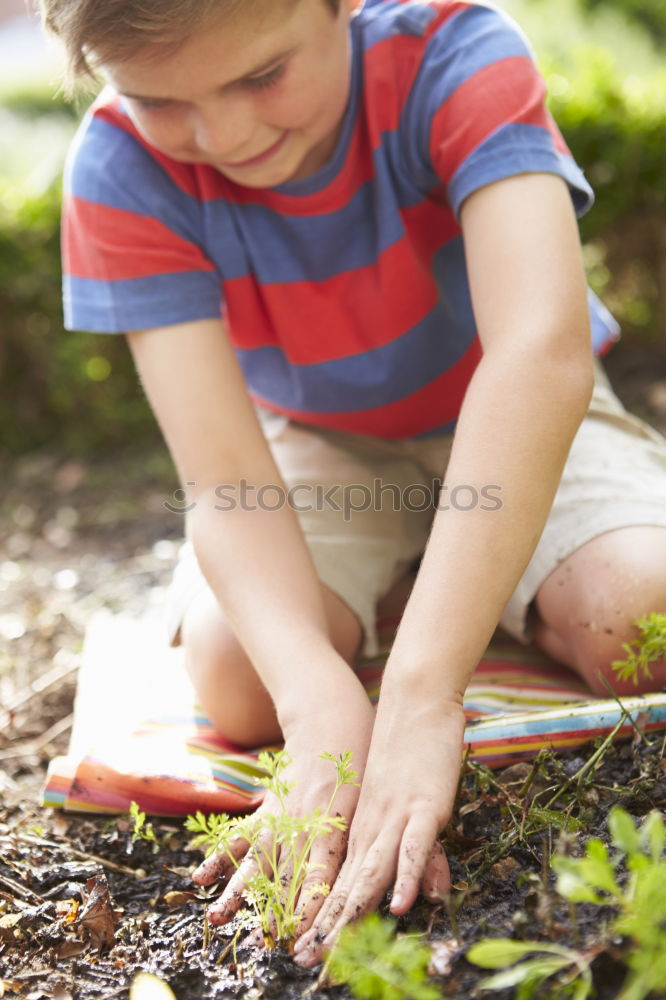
35, 745
38, 686
608, 687
68, 848
589, 764
19, 889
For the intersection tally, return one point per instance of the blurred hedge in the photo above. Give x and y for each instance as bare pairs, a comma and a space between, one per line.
77, 390
615, 126
649, 14
80, 391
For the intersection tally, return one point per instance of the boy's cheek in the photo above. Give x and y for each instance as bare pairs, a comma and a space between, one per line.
163, 133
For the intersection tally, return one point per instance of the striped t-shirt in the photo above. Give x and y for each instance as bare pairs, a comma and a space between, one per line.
345, 294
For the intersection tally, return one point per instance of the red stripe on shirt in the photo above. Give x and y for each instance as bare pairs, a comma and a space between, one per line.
351, 313
498, 93
434, 405
430, 225
92, 247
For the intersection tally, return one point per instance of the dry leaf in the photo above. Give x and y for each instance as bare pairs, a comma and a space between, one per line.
470, 807
515, 774
460, 886
503, 868
10, 986
72, 911
70, 947
640, 722
176, 898
60, 825
97, 916
61, 993
9, 926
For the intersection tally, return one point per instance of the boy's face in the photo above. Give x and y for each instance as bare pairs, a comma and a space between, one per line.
259, 98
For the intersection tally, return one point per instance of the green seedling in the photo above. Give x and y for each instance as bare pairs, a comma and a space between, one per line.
529, 976
648, 648
640, 899
377, 965
142, 830
639, 902
279, 843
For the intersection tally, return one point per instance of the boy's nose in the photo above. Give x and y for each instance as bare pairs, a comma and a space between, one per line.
224, 130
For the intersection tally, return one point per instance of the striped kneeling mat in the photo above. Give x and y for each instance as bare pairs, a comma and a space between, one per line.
139, 736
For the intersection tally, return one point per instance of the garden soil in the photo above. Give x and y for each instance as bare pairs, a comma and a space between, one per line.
83, 908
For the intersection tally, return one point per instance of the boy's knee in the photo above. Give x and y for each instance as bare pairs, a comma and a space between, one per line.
207, 637
599, 644
227, 686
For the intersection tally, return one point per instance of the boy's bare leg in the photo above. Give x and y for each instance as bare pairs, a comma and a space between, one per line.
587, 607
228, 687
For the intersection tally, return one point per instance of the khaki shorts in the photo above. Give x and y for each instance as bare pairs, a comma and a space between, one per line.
366, 505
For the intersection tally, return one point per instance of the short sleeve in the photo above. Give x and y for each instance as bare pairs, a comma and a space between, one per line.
133, 255
481, 104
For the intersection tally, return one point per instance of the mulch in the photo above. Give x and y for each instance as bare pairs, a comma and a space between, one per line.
82, 908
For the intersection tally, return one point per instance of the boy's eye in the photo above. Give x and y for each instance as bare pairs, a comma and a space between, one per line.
252, 82
266, 80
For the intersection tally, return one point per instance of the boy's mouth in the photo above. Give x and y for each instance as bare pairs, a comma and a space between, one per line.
261, 158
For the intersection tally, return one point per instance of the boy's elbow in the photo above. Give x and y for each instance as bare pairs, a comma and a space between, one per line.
581, 376
571, 360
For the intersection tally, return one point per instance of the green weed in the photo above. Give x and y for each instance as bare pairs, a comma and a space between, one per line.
141, 829
279, 843
640, 904
648, 648
377, 965
529, 976
641, 899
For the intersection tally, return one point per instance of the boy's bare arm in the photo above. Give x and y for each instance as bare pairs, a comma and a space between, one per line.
522, 409
256, 561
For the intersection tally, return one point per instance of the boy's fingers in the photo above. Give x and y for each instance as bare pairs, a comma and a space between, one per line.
326, 858
219, 865
307, 945
363, 881
416, 849
230, 901
437, 879
359, 889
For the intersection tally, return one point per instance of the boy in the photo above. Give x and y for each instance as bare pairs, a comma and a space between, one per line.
382, 208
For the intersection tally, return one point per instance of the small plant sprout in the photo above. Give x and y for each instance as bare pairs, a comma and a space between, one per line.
142, 830
376, 964
529, 976
648, 648
279, 843
639, 901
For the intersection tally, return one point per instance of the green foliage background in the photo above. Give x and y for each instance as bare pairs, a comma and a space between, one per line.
80, 392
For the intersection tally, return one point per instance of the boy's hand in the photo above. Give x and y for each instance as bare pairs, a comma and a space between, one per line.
343, 723
406, 799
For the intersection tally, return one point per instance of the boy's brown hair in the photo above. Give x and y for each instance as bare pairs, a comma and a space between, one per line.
97, 31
